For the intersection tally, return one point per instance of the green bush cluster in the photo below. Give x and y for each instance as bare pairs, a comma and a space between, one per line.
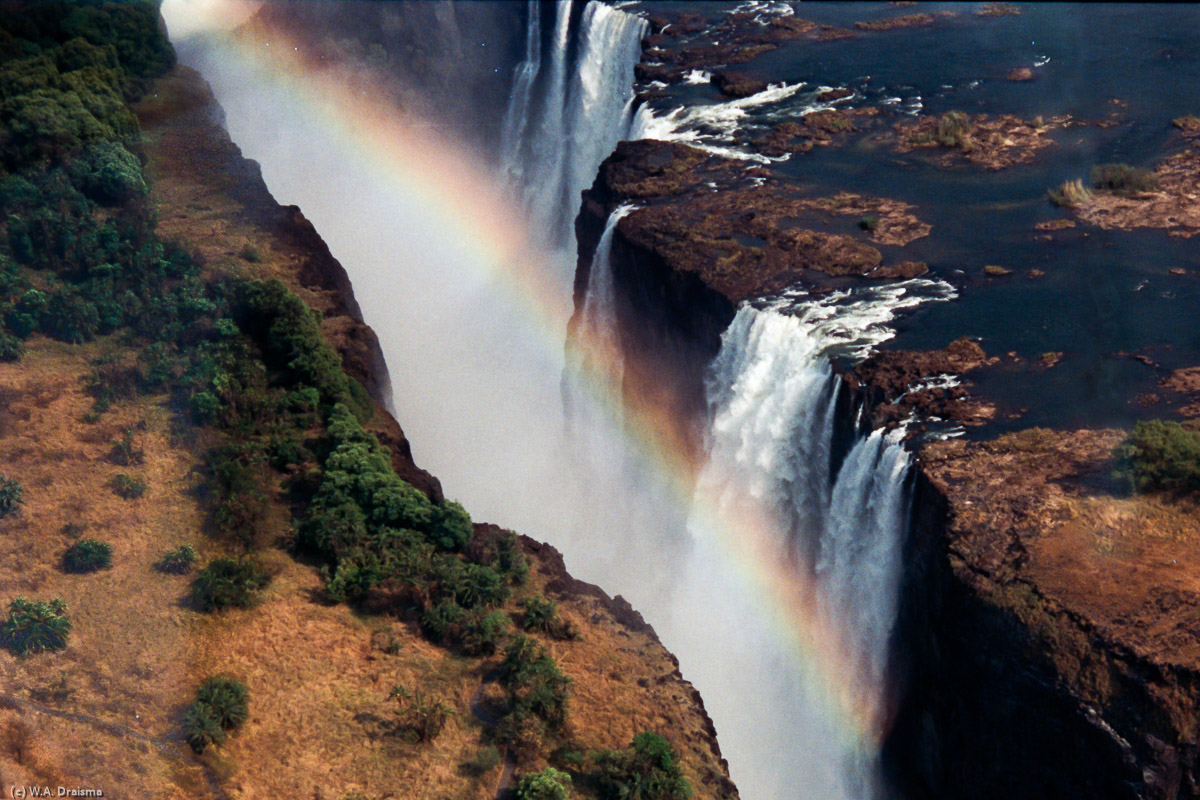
34, 627
11, 496
549, 784
419, 718
535, 685
1122, 179
179, 561
290, 334
377, 531
541, 614
222, 704
87, 555
229, 583
1159, 455
646, 770
128, 486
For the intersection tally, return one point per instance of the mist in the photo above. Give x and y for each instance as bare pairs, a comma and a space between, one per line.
477, 374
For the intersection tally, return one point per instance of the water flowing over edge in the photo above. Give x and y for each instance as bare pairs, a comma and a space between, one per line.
836, 526
564, 117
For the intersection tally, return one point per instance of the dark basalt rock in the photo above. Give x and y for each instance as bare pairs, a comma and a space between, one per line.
736, 84
886, 383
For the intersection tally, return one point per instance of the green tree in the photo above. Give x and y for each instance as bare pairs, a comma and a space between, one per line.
646, 770
34, 627
11, 496
549, 784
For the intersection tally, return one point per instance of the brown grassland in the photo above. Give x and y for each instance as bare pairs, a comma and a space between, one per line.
106, 712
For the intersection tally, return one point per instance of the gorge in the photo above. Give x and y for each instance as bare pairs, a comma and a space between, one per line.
849, 346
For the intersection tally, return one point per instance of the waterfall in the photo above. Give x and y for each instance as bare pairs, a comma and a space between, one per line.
517, 113
564, 118
599, 318
773, 481
478, 391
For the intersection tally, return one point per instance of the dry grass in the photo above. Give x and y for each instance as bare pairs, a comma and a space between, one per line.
106, 711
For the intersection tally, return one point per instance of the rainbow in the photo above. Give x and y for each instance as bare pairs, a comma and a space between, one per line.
418, 161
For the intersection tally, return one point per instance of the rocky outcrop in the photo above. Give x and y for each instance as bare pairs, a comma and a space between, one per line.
898, 384
1173, 204
1050, 628
991, 142
685, 258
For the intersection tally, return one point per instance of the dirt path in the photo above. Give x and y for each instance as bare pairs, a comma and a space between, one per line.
480, 713
164, 746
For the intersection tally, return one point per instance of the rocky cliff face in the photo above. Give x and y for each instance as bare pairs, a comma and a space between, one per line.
1051, 628
1049, 633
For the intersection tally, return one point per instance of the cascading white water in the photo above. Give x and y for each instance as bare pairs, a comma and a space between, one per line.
517, 113
477, 389
772, 396
599, 316
564, 122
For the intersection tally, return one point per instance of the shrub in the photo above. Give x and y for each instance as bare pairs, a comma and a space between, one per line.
451, 526
420, 718
522, 734
1070, 194
869, 223
483, 762
11, 348
229, 700
1160, 455
954, 130
250, 253
645, 770
11, 496
443, 622
534, 683
1122, 179
541, 614
549, 784
484, 633
178, 561
229, 583
479, 585
108, 173
70, 318
33, 627
200, 729
222, 704
125, 452
87, 555
128, 486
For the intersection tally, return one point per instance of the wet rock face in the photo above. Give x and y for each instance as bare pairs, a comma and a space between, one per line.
737, 84
685, 258
897, 384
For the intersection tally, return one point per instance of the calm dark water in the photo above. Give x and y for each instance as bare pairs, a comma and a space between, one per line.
1103, 291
